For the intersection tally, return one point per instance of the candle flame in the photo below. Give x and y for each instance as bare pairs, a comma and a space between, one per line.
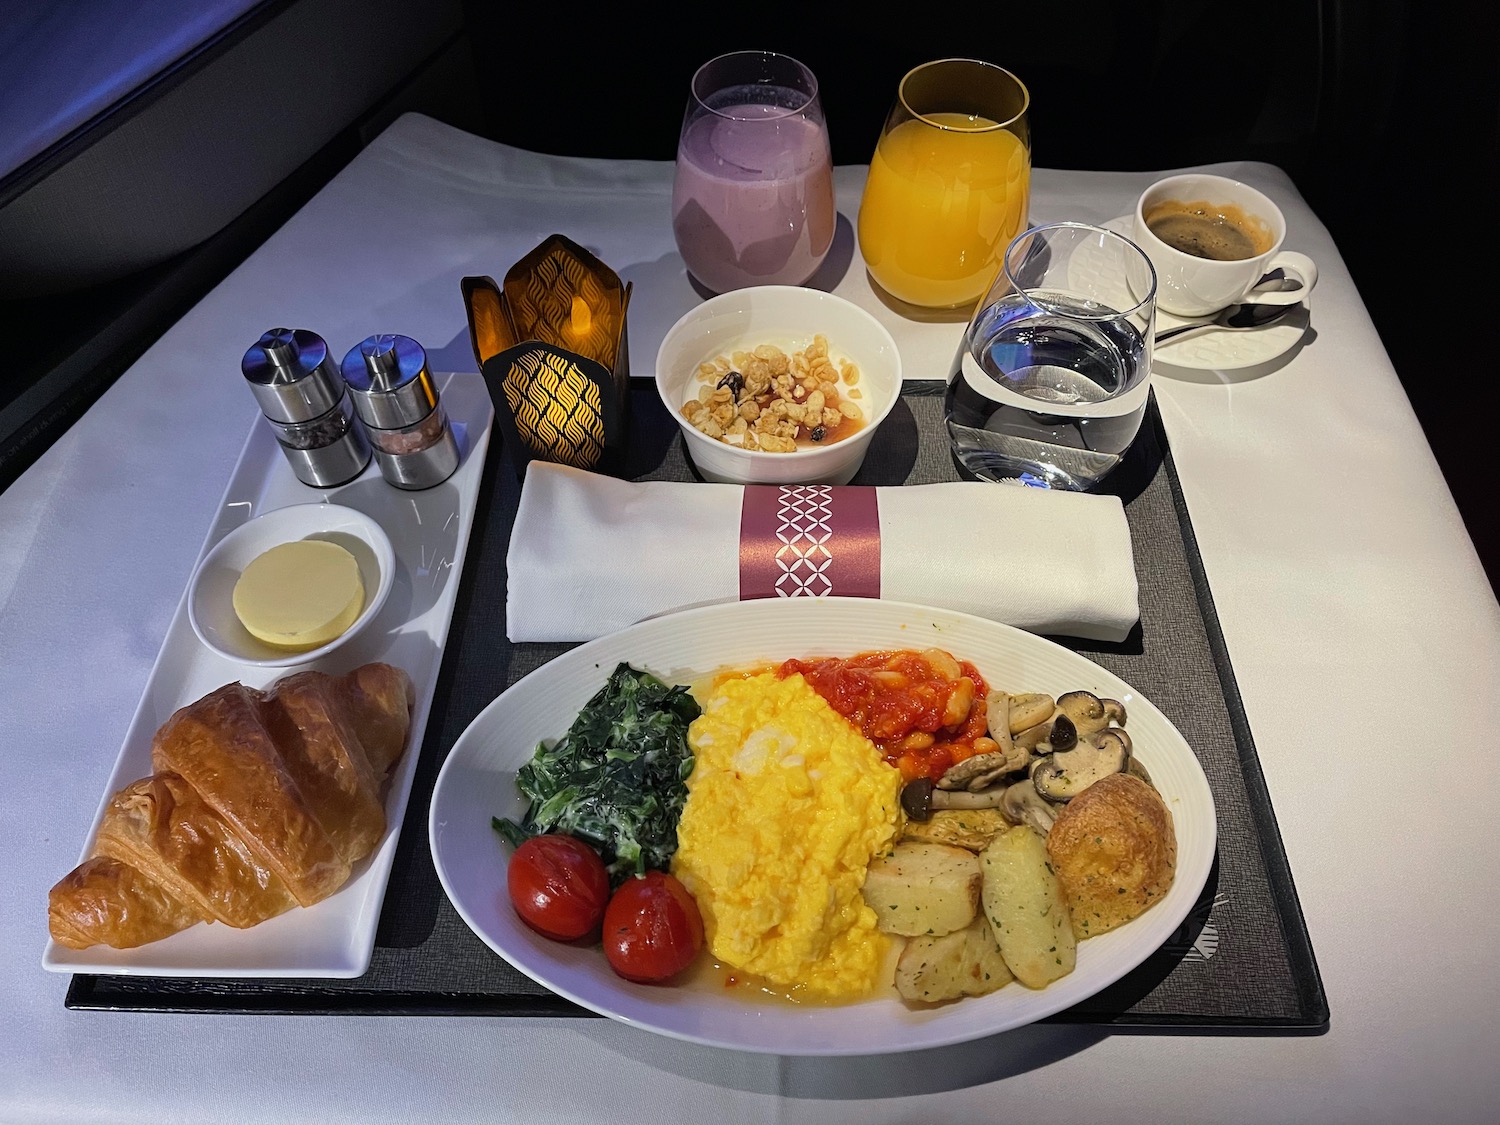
582, 319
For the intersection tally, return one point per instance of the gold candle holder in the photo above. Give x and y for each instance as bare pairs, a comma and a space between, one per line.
552, 347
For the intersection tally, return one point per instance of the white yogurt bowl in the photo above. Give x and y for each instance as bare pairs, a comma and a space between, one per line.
788, 316
211, 595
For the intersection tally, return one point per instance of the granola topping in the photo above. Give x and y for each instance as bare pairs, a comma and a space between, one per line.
775, 402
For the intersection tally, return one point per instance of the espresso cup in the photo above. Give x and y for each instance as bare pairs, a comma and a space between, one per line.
1212, 241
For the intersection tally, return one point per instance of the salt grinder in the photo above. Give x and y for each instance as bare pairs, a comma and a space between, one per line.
395, 398
306, 405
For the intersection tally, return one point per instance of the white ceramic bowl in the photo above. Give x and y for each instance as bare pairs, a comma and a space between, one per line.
211, 595
788, 316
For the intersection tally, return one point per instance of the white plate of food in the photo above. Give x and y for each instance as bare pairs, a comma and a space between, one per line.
428, 533
478, 782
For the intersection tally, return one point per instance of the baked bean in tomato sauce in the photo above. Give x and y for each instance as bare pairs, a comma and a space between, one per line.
923, 709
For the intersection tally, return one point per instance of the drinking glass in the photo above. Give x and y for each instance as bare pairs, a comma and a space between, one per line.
949, 182
752, 195
1052, 374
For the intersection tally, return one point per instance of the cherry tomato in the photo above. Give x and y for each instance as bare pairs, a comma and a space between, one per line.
652, 928
559, 886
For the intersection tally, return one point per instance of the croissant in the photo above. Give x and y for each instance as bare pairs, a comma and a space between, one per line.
260, 801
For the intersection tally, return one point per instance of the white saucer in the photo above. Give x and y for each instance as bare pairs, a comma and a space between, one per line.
1220, 349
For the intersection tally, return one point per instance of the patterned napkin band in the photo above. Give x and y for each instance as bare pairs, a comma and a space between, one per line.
809, 541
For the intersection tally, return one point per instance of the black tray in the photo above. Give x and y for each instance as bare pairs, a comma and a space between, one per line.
1241, 962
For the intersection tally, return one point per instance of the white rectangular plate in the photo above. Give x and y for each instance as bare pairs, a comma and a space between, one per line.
430, 533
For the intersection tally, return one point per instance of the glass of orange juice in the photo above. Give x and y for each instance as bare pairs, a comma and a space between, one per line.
949, 183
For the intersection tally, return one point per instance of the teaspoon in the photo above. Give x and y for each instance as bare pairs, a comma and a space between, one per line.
1237, 318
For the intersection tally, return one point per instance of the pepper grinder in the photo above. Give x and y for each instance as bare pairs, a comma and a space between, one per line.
305, 404
395, 398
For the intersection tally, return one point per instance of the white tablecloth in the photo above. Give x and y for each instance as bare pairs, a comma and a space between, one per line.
1364, 635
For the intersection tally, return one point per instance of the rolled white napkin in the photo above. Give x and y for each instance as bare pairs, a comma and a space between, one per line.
590, 553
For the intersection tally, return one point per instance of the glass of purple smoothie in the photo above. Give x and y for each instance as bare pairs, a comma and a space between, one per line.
752, 198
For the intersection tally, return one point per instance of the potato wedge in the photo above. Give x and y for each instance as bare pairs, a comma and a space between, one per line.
966, 962
1026, 908
924, 889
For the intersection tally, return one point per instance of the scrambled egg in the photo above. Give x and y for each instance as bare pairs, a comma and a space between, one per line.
787, 804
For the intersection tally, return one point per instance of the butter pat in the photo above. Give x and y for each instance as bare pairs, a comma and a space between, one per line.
300, 595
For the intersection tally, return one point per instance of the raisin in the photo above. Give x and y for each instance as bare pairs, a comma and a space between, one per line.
818, 433
735, 382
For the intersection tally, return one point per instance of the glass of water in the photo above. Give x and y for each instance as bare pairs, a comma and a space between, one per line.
1050, 381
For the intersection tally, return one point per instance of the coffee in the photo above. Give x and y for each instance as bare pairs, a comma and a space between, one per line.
1207, 230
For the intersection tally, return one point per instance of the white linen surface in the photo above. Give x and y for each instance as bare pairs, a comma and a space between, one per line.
1337, 561
587, 554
